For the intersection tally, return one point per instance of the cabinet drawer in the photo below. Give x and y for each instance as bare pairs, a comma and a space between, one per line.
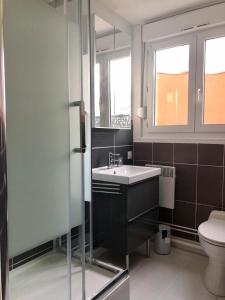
141, 197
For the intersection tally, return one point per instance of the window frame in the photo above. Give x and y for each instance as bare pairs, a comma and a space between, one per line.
151, 48
196, 127
103, 59
202, 36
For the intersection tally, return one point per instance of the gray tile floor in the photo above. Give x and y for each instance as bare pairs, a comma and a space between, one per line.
46, 278
177, 276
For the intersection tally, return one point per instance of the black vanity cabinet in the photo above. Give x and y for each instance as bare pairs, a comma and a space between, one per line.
124, 216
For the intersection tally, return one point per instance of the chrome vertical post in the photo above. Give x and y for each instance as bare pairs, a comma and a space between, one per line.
4, 269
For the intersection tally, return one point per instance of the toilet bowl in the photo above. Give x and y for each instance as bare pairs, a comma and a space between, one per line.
212, 238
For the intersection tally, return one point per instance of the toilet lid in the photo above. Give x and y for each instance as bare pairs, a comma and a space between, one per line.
213, 230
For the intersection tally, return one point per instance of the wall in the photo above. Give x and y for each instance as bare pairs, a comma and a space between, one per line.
199, 181
200, 161
168, 27
110, 140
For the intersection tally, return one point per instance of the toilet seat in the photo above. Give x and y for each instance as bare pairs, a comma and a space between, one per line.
213, 231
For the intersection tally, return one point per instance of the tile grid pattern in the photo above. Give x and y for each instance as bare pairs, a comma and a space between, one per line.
110, 140
199, 180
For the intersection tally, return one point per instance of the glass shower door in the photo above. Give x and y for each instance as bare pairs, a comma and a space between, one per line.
45, 148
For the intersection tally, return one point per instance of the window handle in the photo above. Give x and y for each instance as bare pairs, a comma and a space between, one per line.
199, 95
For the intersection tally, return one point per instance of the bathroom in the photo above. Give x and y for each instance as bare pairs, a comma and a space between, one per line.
112, 149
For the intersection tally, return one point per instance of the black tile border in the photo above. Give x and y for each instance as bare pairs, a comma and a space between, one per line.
30, 255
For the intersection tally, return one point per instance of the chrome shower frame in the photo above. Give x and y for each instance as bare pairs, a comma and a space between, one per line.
4, 265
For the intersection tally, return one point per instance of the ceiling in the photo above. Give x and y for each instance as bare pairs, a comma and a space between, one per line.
137, 11
101, 26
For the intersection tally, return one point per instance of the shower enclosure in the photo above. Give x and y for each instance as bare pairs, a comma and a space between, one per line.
45, 166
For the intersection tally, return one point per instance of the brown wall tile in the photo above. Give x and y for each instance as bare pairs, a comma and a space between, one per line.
186, 182
203, 213
198, 166
210, 154
209, 185
185, 153
184, 214
163, 152
143, 151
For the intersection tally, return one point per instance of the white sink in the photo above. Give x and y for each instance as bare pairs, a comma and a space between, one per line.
125, 174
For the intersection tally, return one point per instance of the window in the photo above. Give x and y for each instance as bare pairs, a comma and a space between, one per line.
113, 90
214, 79
120, 91
186, 83
210, 81
171, 86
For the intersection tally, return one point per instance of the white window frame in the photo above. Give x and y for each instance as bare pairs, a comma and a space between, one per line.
195, 127
151, 49
200, 73
104, 60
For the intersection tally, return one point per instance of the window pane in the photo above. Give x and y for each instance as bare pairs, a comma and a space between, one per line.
171, 86
214, 105
120, 89
97, 95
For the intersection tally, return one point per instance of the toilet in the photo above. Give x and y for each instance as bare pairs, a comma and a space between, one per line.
212, 238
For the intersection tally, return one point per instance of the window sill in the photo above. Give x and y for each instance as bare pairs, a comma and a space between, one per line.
198, 138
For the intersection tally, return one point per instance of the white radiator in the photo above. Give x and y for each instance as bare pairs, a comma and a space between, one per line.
166, 186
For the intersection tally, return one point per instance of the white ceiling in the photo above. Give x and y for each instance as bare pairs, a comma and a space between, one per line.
101, 26
137, 11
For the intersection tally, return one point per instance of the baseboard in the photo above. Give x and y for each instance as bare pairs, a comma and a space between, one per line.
187, 245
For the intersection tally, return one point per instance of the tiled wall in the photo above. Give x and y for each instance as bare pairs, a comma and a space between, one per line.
199, 181
110, 140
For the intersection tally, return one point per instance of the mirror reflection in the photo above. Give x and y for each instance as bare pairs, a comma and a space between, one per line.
112, 104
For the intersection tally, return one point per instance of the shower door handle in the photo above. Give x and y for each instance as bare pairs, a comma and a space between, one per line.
83, 146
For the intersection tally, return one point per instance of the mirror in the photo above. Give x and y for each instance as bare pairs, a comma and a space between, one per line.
112, 96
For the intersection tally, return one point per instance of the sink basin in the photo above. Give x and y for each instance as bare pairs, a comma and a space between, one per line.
125, 174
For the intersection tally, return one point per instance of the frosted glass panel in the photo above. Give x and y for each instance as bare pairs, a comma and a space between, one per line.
37, 123
74, 95
43, 62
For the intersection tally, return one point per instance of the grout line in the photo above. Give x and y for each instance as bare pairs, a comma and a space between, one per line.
223, 180
199, 204
187, 164
103, 147
152, 151
173, 155
210, 166
183, 201
196, 191
173, 211
106, 147
124, 146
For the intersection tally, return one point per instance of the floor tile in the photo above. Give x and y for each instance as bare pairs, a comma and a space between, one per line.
177, 276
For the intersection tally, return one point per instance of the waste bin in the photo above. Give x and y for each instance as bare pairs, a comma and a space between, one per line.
163, 240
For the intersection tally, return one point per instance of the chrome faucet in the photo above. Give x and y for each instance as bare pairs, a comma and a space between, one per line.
113, 161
